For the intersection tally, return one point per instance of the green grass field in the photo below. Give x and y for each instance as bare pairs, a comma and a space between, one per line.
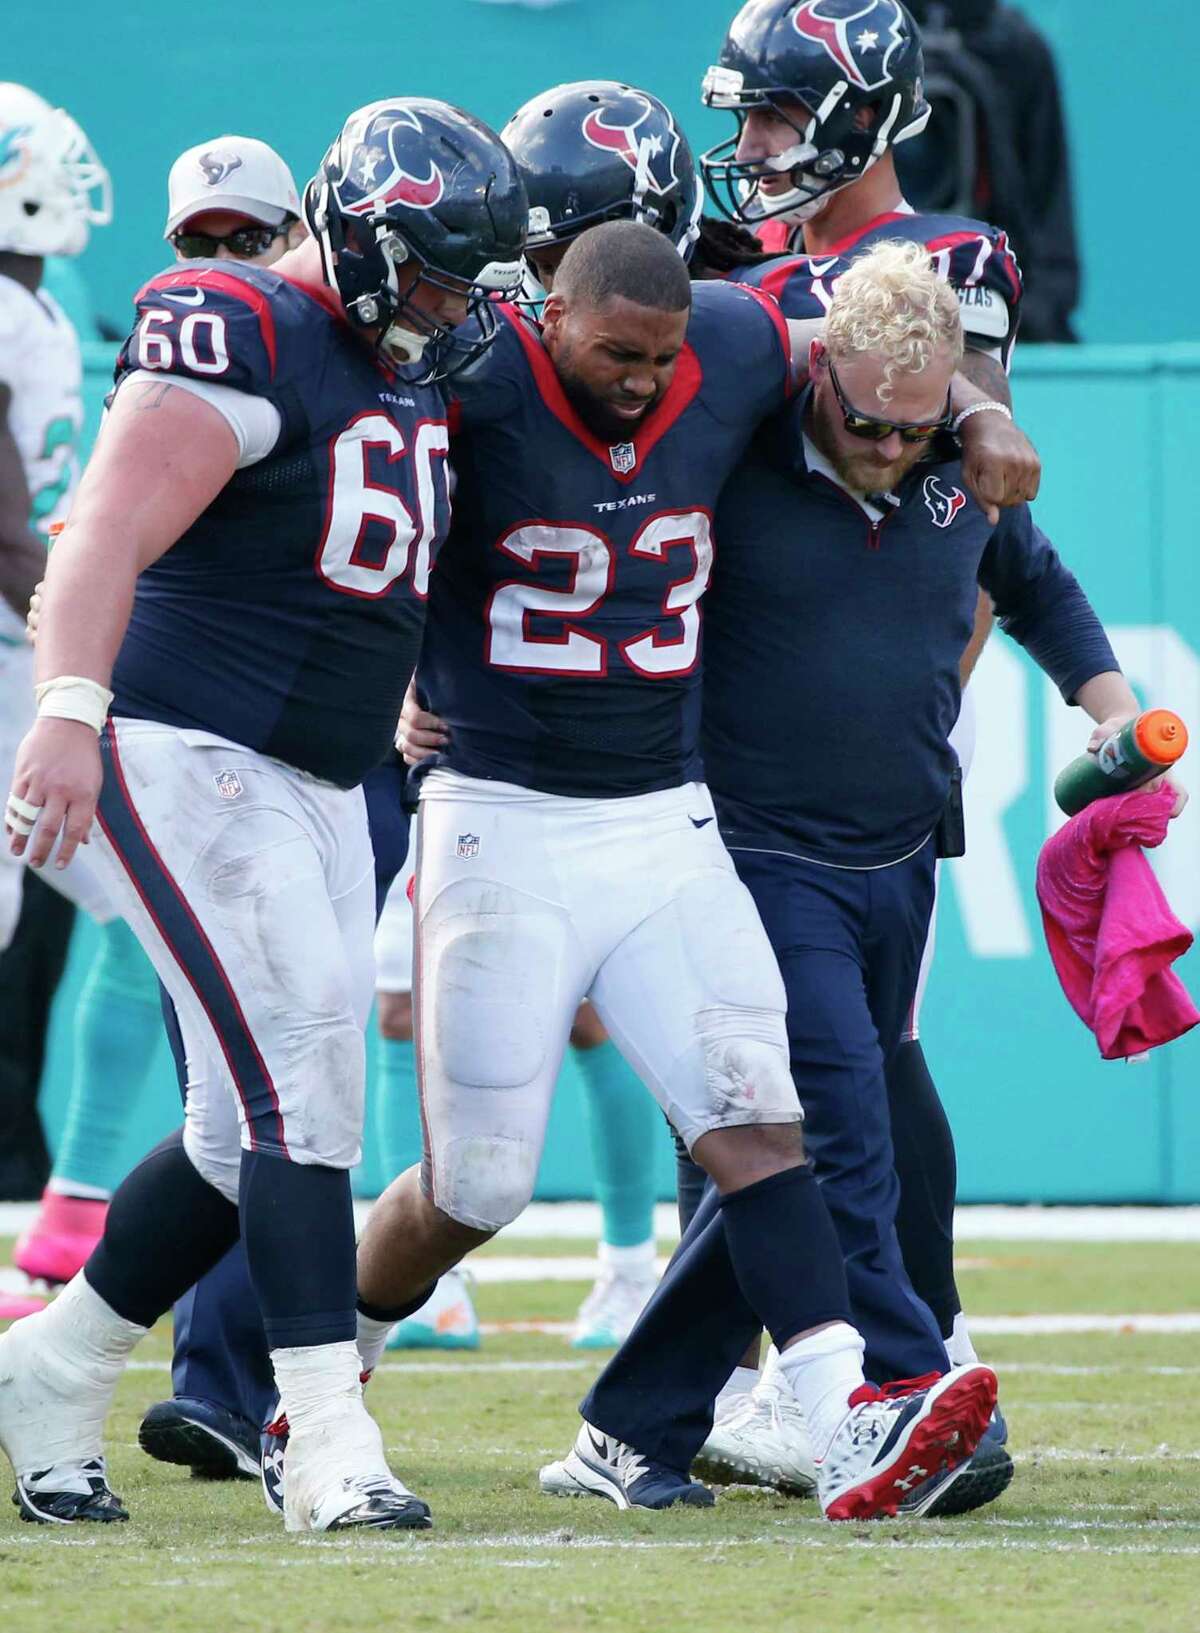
1100, 1530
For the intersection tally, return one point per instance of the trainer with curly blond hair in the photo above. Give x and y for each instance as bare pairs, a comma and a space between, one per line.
849, 557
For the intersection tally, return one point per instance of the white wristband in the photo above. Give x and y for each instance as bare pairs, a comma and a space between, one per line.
74, 697
979, 408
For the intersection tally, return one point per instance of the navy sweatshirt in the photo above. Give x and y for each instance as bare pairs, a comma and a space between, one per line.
831, 648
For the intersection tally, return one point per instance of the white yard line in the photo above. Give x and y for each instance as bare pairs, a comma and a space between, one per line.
580, 1221
321, 1552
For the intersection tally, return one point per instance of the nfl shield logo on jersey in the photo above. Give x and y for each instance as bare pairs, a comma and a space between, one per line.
229, 784
468, 847
624, 458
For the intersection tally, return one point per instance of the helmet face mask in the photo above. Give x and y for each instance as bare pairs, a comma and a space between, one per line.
53, 188
845, 74
414, 185
599, 150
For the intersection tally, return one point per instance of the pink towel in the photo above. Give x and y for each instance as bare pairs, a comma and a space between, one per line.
1111, 934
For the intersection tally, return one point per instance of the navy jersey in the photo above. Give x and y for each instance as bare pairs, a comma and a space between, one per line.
973, 257
288, 617
831, 672
563, 640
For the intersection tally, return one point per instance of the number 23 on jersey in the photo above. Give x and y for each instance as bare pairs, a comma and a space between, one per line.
669, 647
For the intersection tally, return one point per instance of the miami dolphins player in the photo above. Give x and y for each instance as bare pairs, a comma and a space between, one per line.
243, 580
53, 190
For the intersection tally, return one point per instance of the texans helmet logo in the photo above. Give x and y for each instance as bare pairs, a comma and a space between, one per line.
943, 506
658, 159
217, 166
860, 42
376, 153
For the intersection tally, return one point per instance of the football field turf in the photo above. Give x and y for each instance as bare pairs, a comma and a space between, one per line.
1100, 1530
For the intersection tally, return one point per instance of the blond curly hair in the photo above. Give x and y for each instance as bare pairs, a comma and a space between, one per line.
892, 303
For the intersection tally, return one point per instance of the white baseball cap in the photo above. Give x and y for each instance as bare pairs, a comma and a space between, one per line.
234, 173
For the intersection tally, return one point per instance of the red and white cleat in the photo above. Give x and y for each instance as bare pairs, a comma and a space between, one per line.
893, 1440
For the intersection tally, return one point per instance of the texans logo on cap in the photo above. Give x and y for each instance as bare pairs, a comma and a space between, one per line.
217, 165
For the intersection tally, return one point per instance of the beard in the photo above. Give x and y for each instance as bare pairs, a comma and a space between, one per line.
596, 413
865, 474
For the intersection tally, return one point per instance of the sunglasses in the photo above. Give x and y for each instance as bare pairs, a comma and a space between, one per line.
245, 243
875, 430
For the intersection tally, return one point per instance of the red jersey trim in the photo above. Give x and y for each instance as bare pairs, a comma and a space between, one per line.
224, 284
852, 238
770, 305
679, 395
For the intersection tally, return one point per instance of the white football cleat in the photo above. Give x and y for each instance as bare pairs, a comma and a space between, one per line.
53, 1404
333, 1476
760, 1439
600, 1466
892, 1441
607, 1315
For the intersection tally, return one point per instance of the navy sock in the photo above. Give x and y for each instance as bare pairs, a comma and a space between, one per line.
166, 1227
928, 1175
376, 1312
298, 1227
785, 1253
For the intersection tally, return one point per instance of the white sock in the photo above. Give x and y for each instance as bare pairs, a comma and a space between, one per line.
741, 1381
823, 1372
73, 1351
75, 1188
318, 1383
372, 1339
636, 1262
959, 1346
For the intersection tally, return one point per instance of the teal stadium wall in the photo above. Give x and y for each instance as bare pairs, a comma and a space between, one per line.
1037, 1115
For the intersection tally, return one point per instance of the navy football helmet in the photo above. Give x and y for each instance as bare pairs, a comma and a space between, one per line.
410, 182
856, 68
597, 150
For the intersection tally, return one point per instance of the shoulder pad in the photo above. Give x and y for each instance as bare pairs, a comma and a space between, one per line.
210, 324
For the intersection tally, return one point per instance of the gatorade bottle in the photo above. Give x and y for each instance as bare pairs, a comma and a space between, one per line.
1143, 748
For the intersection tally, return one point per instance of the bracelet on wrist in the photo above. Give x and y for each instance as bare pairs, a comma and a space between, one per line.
988, 407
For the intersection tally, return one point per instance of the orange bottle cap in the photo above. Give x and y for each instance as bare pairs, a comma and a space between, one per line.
56, 528
1161, 736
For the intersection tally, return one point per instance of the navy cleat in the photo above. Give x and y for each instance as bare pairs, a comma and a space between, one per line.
212, 1441
973, 1484
385, 1506
599, 1466
67, 1493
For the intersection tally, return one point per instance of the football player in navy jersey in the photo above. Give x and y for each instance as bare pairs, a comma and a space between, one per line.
823, 90
243, 580
566, 847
